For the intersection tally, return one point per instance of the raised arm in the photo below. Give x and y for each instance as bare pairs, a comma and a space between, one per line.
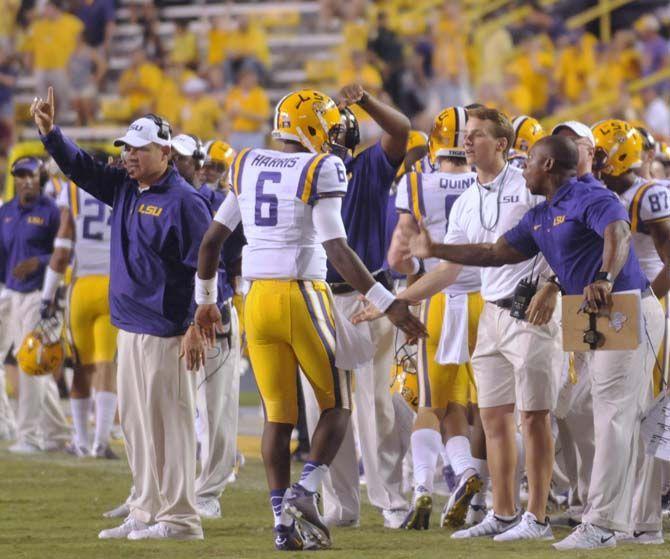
96, 178
58, 262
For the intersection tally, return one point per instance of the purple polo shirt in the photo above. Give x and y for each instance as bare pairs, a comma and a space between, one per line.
155, 239
95, 14
25, 232
365, 207
569, 232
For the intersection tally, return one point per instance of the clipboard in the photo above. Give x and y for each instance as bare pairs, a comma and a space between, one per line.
622, 329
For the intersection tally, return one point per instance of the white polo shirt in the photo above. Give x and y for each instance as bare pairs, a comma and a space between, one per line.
482, 214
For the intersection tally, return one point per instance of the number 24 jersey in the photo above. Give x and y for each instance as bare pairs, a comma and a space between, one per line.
276, 192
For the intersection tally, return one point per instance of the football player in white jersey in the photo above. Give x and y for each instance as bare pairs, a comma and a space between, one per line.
443, 360
289, 203
84, 229
618, 154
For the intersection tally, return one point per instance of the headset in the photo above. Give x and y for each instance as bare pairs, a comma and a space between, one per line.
648, 141
164, 128
352, 135
199, 154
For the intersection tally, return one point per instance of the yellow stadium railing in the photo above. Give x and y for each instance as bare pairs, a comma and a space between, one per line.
604, 99
603, 11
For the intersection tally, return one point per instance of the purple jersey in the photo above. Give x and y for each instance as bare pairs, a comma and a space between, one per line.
569, 232
155, 239
365, 207
25, 232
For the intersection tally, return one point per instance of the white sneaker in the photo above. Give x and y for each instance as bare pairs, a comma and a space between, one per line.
161, 531
119, 512
490, 526
644, 538
528, 529
129, 524
208, 508
587, 536
393, 518
20, 447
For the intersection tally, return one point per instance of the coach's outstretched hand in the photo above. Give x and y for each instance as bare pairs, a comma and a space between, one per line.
43, 112
208, 321
193, 348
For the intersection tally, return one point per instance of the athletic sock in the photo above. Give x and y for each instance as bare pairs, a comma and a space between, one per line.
277, 504
458, 449
105, 408
80, 408
312, 475
426, 448
482, 468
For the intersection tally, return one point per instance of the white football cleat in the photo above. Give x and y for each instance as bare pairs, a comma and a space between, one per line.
393, 518
587, 536
161, 531
119, 512
644, 538
528, 529
20, 447
120, 532
490, 526
208, 508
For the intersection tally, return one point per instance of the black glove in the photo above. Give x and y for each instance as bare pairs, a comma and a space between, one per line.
47, 309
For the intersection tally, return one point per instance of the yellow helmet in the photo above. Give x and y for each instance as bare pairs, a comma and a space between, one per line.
662, 151
416, 139
404, 379
308, 117
42, 350
527, 131
446, 136
219, 151
618, 147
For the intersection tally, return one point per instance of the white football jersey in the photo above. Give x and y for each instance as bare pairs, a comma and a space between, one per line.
276, 192
517, 159
93, 231
647, 201
55, 185
430, 197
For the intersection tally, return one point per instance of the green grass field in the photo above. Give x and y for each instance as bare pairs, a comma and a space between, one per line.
50, 509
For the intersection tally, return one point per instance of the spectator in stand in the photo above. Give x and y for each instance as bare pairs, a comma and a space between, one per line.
98, 18
246, 45
140, 84
87, 69
171, 100
185, 46
52, 39
248, 108
387, 52
9, 10
654, 48
8, 73
200, 112
656, 113
148, 21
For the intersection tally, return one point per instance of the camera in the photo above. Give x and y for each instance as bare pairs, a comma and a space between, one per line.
522, 295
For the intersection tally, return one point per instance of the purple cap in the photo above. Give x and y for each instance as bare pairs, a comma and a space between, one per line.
30, 164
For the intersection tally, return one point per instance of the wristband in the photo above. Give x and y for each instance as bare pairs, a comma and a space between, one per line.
206, 290
62, 242
380, 297
52, 280
416, 266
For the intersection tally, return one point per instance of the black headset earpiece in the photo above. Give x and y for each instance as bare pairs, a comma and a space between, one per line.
164, 128
352, 135
199, 154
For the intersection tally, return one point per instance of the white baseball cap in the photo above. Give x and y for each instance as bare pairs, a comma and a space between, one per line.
144, 131
578, 128
184, 144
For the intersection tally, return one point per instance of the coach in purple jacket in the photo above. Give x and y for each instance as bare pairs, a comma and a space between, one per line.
157, 222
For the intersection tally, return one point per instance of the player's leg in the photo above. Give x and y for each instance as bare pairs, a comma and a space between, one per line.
268, 320
80, 407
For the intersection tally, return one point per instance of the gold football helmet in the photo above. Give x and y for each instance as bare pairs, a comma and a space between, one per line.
404, 379
42, 350
308, 117
446, 136
218, 151
618, 147
527, 131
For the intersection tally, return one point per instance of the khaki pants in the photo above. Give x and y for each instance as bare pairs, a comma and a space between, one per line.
218, 402
383, 440
157, 410
621, 383
7, 419
40, 419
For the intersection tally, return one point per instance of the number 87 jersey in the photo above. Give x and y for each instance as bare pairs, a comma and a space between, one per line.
276, 192
93, 230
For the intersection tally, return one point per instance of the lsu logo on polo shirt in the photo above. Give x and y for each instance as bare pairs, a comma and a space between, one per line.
558, 220
35, 220
149, 209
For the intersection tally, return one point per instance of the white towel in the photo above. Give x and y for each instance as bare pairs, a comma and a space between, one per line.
453, 348
354, 342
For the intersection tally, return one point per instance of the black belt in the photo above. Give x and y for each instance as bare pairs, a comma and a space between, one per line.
383, 277
503, 303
